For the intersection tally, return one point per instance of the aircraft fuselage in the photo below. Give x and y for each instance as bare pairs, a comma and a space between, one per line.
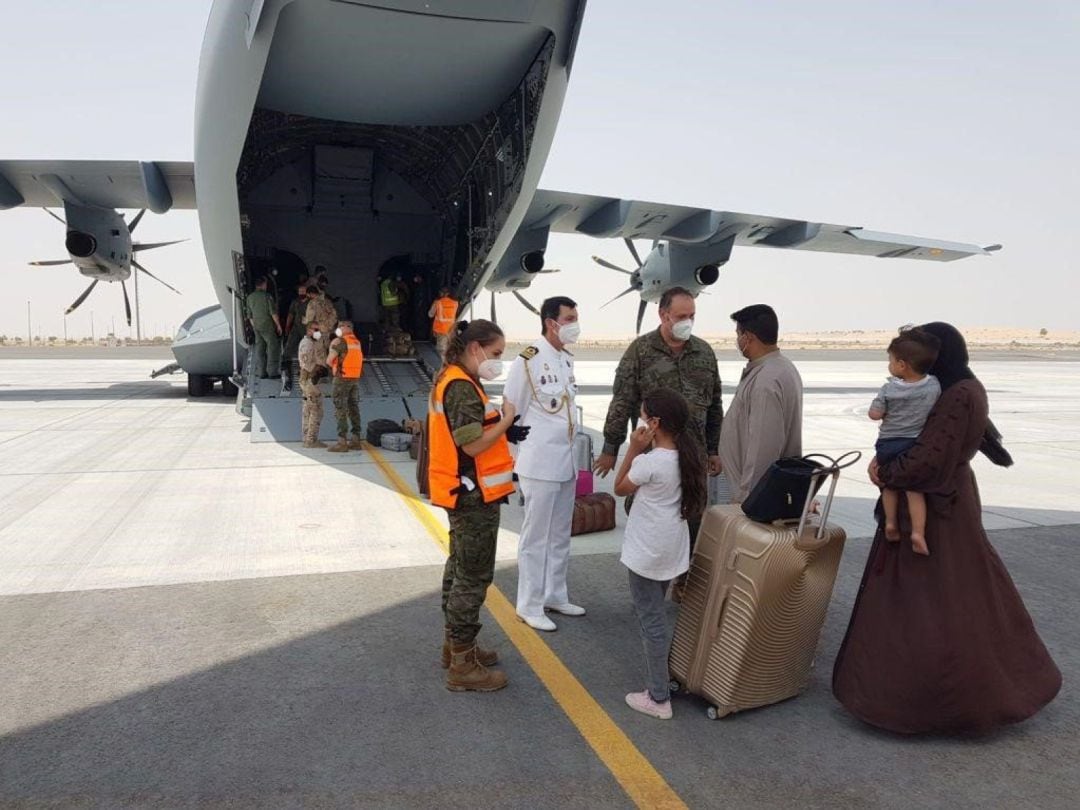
389, 138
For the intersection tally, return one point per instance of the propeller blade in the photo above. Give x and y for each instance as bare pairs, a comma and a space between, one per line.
51, 263
81, 298
138, 266
640, 314
610, 266
633, 251
627, 291
127, 303
152, 245
525, 303
493, 320
134, 222
54, 216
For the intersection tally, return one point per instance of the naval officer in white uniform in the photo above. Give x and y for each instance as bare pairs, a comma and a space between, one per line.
541, 387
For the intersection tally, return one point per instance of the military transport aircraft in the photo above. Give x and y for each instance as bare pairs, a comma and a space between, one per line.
360, 136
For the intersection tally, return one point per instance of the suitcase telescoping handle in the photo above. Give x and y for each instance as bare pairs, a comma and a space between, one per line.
831, 469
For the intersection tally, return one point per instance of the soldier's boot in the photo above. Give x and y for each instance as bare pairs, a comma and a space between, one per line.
466, 674
315, 443
342, 446
488, 658
356, 443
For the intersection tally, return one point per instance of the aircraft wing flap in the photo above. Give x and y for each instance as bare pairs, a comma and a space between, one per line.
158, 185
611, 217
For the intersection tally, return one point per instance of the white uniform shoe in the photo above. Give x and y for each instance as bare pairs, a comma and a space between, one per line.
538, 623
566, 609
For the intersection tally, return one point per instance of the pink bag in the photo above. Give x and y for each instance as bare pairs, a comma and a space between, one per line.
584, 483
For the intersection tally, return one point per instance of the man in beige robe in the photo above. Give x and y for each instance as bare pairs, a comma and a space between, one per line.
764, 420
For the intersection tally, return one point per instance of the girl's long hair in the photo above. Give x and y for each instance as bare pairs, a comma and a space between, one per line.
465, 332
671, 408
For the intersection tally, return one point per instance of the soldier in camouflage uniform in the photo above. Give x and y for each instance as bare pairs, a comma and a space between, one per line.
320, 309
671, 358
345, 392
476, 348
262, 313
312, 366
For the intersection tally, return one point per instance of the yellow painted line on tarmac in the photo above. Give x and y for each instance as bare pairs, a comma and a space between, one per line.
641, 781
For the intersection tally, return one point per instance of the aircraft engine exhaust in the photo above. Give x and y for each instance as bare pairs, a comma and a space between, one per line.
533, 261
707, 274
80, 244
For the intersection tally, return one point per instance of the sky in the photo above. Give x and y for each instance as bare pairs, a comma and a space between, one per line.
956, 121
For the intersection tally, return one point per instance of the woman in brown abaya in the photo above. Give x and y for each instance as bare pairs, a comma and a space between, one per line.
943, 643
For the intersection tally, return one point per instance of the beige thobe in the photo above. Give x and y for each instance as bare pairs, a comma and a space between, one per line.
762, 423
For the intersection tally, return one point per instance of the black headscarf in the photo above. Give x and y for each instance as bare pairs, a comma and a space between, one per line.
952, 367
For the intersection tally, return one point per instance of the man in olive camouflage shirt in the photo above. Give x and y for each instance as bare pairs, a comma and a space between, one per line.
671, 358
320, 310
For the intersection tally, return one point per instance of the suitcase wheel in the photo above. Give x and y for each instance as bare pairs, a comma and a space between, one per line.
712, 713
674, 686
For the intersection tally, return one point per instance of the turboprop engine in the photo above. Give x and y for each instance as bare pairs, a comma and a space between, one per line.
98, 242
667, 265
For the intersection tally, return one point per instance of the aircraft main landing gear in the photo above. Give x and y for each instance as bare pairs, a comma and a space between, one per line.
199, 385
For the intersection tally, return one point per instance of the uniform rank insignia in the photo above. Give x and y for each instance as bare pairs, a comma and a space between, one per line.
529, 352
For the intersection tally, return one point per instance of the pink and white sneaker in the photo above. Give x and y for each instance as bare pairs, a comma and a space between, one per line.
643, 702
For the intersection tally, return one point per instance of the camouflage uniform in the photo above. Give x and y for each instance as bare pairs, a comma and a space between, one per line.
648, 364
345, 394
321, 310
313, 398
260, 308
474, 525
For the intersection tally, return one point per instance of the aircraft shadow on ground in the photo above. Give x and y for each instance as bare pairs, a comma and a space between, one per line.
355, 712
143, 389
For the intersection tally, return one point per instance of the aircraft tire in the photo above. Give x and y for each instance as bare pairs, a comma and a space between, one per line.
228, 387
199, 385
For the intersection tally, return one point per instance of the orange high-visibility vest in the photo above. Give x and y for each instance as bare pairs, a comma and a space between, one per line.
445, 312
353, 366
494, 467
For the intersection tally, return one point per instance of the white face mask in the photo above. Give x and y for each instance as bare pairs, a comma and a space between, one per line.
681, 329
489, 369
316, 335
337, 332
569, 333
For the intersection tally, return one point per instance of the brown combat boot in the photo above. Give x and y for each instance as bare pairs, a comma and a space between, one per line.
356, 443
487, 658
342, 446
315, 443
466, 675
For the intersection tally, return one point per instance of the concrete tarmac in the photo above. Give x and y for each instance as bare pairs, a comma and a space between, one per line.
189, 619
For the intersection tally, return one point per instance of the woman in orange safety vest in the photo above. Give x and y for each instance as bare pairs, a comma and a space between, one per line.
470, 474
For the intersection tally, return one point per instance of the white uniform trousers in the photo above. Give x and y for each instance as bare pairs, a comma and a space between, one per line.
544, 544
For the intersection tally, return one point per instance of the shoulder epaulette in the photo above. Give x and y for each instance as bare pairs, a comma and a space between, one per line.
529, 352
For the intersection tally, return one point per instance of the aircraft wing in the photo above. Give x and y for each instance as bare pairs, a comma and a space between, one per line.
565, 212
158, 186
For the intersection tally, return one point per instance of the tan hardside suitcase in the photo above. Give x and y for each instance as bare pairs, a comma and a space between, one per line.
753, 607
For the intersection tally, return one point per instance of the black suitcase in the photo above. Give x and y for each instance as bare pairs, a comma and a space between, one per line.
377, 427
